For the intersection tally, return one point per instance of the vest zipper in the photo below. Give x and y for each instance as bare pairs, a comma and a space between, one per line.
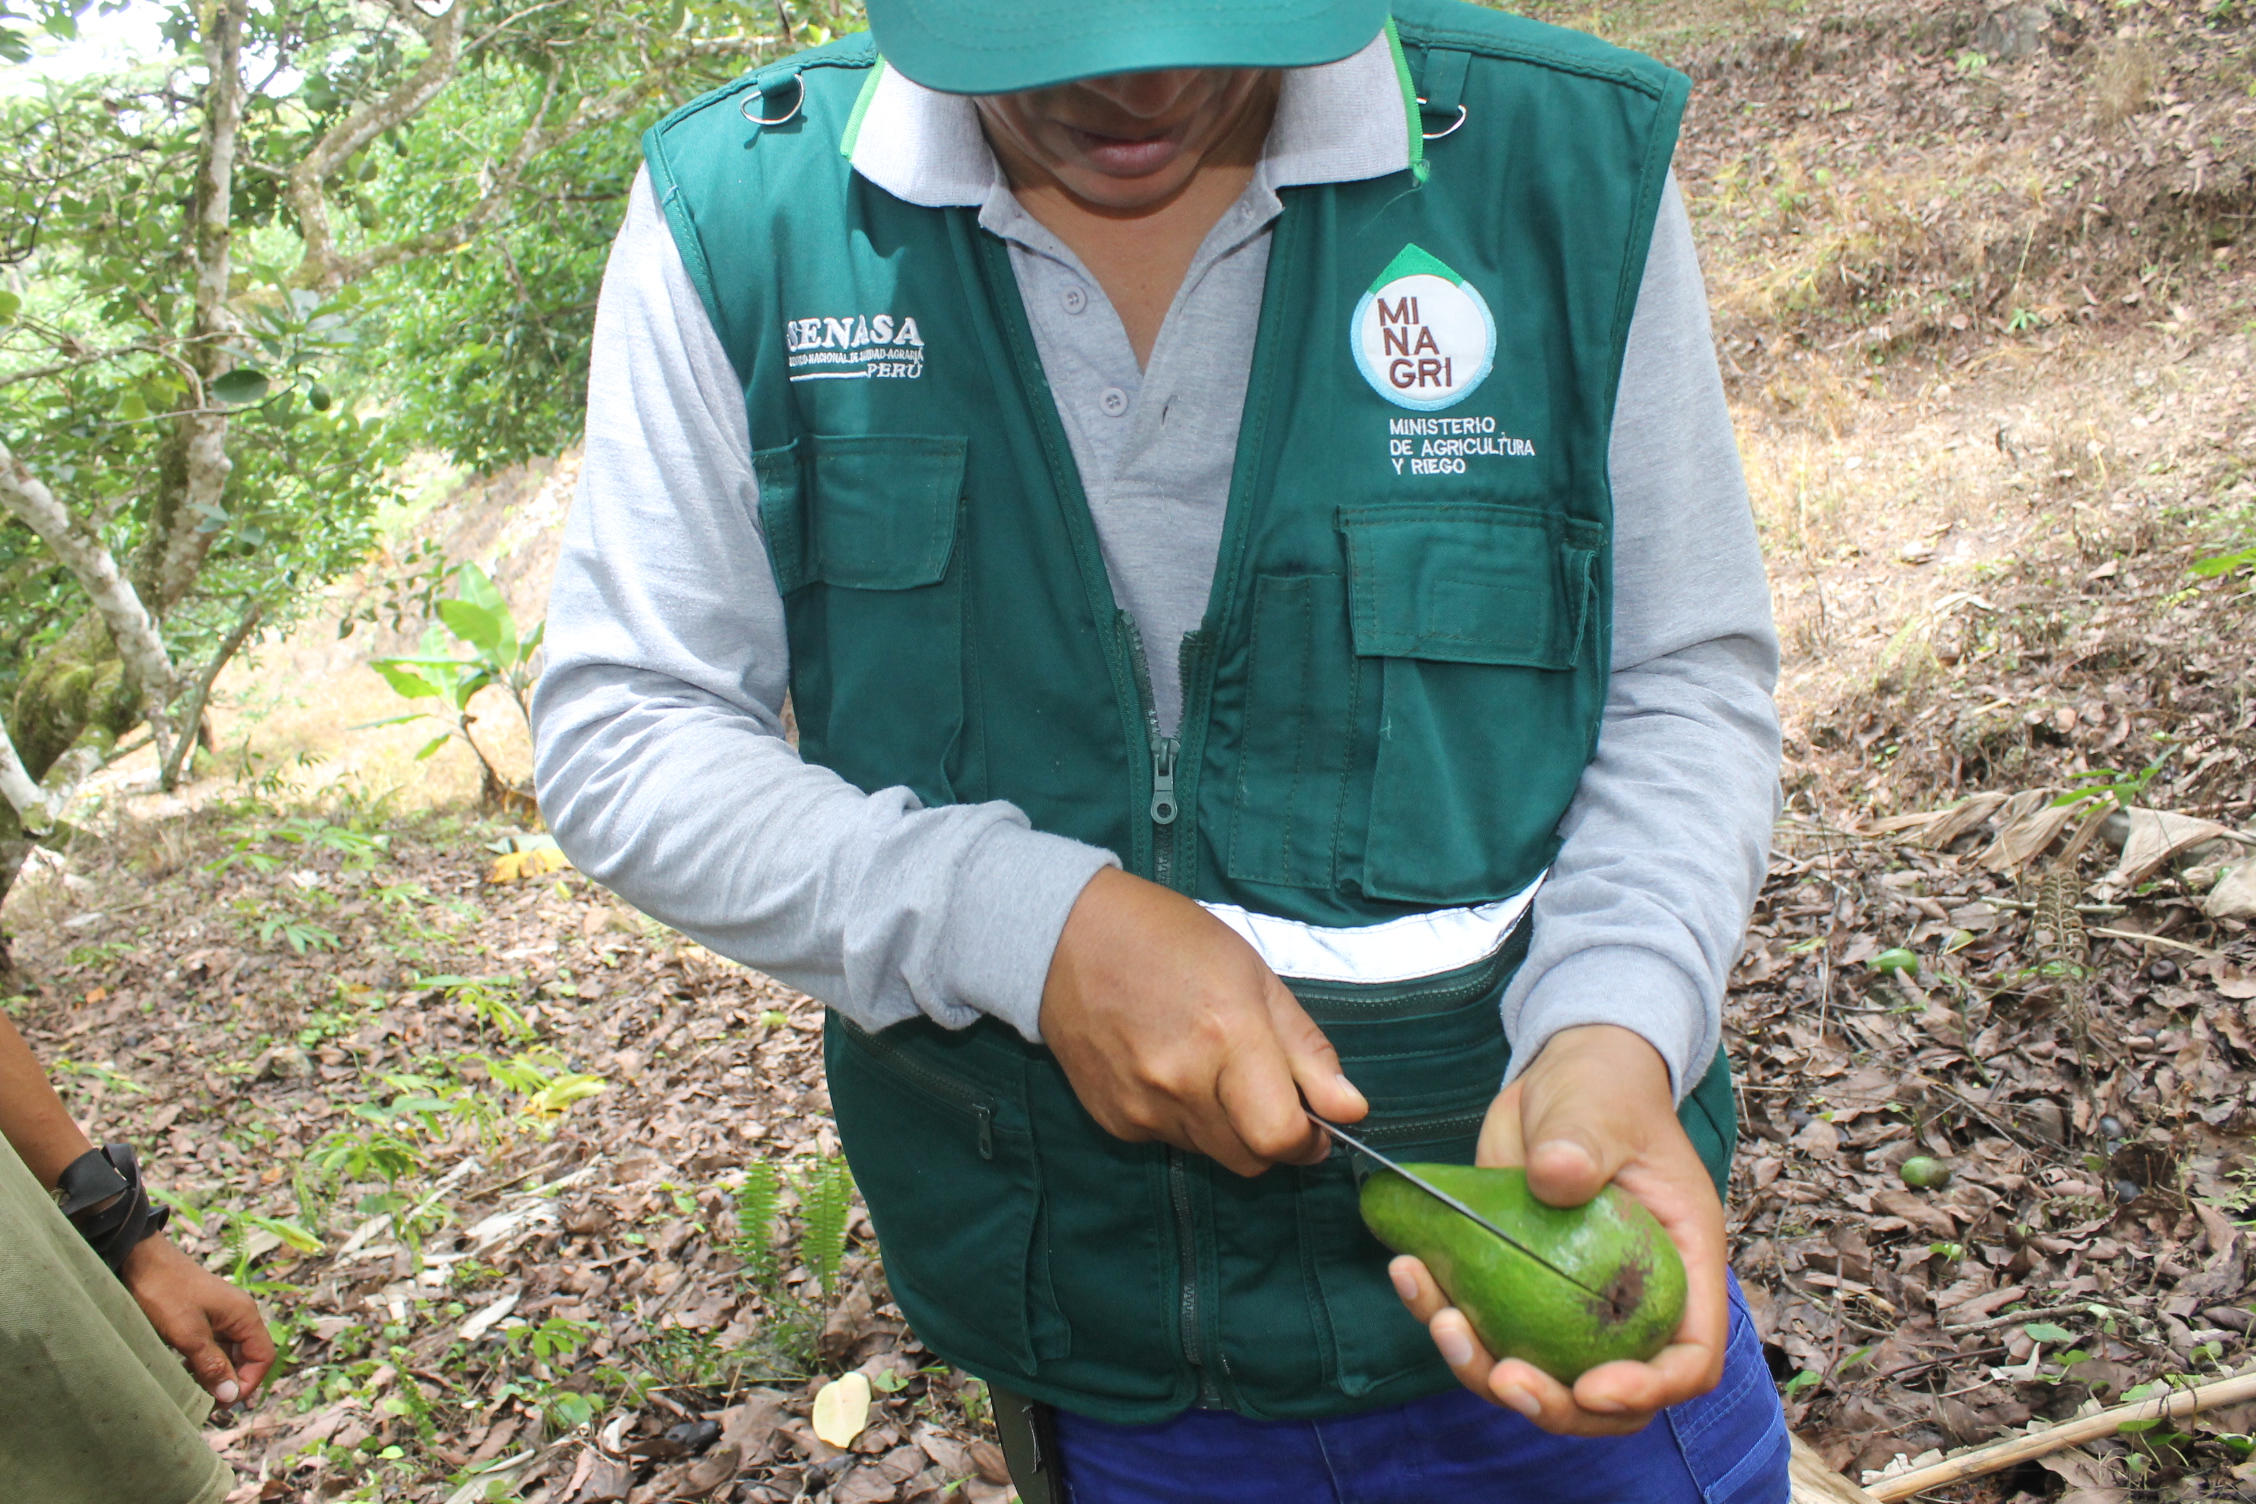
1163, 751
966, 1098
1163, 811
1179, 1190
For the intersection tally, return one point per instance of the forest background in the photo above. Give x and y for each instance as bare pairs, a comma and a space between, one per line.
294, 309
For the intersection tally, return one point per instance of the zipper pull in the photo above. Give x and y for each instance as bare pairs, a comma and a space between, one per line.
1163, 806
986, 1117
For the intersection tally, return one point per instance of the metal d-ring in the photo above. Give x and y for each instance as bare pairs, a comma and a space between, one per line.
798, 102
1449, 130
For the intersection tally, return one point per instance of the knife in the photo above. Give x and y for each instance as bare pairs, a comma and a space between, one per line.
1455, 1205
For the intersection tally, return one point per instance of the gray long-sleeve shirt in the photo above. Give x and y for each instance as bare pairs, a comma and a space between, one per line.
661, 760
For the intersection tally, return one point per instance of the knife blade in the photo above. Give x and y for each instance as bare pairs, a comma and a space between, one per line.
1455, 1205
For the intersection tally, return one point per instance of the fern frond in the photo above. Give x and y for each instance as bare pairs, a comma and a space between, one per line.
826, 1194
755, 1222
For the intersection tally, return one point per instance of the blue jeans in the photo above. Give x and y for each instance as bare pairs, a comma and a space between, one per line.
1727, 1447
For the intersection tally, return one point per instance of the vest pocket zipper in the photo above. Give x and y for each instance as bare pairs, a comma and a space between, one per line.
965, 1098
1423, 1130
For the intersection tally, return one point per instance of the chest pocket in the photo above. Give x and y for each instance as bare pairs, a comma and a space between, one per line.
1484, 621
861, 530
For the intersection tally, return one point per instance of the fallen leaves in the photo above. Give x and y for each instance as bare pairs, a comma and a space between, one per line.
517, 866
2154, 838
2234, 897
514, 1252
842, 1409
2080, 1169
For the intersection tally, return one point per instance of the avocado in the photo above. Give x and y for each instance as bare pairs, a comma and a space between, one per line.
1519, 1308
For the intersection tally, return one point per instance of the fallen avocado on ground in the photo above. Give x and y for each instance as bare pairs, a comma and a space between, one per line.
1519, 1308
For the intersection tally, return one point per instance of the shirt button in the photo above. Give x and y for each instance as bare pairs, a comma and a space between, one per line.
1075, 299
1114, 401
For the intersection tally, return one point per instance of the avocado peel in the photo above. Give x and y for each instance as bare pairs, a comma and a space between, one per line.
1628, 1304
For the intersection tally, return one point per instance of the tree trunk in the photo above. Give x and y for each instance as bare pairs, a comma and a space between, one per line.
76, 689
15, 846
113, 663
78, 682
18, 787
194, 733
192, 479
118, 611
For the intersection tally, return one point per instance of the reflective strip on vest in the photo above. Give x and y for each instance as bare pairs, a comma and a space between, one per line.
1399, 950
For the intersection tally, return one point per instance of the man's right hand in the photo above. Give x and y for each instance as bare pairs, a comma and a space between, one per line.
1170, 1027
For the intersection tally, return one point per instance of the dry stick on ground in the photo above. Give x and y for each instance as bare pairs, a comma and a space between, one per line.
2011, 1317
2145, 939
1815, 1483
2178, 1405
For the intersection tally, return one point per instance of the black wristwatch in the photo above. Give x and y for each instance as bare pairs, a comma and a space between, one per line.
101, 1193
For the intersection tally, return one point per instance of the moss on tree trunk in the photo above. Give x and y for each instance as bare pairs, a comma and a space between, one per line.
74, 690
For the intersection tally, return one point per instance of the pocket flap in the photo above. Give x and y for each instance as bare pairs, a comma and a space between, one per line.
1471, 583
865, 511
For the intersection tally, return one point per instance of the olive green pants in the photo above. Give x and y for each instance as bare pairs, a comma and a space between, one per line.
94, 1408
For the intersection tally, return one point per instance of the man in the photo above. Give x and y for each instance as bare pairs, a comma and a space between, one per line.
1242, 501
92, 1294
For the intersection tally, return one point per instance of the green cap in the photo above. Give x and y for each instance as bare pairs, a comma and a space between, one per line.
994, 46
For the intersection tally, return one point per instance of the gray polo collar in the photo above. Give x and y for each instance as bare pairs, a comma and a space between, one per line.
1337, 123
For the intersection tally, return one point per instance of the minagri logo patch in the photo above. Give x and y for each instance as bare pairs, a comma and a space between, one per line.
854, 349
1423, 336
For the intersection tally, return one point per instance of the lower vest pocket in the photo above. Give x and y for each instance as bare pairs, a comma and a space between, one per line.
1430, 1057
1372, 1341
944, 1156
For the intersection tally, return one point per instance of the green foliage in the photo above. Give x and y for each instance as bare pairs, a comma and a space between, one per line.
112, 1080
2222, 564
825, 1191
478, 617
377, 1153
292, 1233
299, 933
407, 1399
491, 342
15, 38
555, 1340
754, 1242
483, 996
398, 266
826, 1195
2107, 783
545, 1088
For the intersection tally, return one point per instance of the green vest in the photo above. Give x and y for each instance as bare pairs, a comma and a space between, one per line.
1397, 684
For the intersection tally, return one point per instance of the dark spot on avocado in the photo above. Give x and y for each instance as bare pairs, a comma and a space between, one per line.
1623, 1294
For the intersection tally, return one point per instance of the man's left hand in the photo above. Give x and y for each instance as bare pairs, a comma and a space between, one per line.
215, 1328
1595, 1108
